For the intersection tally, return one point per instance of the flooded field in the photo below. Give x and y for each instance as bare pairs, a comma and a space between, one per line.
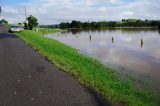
131, 52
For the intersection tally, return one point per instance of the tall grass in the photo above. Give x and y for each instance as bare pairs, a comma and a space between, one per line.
88, 71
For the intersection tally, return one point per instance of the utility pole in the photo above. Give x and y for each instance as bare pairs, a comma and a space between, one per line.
0, 10
26, 17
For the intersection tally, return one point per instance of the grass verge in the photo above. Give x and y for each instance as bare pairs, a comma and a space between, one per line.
49, 30
88, 71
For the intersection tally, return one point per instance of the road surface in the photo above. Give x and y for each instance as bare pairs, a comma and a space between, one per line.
27, 79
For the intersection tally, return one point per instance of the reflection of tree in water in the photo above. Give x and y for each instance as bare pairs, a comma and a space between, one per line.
75, 31
111, 29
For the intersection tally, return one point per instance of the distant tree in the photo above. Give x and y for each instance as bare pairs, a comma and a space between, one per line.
159, 25
78, 24
86, 25
3, 21
64, 25
73, 24
123, 20
32, 22
154, 23
25, 25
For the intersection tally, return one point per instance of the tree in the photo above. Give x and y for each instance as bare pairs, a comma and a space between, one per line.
73, 24
64, 25
32, 22
25, 25
159, 25
3, 21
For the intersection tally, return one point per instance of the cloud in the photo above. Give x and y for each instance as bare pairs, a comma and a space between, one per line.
56, 11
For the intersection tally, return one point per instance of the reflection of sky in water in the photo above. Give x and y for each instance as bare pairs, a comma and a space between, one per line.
134, 50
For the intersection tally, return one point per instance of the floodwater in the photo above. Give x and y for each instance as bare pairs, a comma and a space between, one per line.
133, 52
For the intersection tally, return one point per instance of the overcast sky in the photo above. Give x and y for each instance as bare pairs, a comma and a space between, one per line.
56, 11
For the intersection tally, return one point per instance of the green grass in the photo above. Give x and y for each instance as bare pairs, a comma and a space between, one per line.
7, 26
88, 71
49, 30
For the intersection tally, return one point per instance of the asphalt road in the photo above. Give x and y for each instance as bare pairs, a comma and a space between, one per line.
27, 79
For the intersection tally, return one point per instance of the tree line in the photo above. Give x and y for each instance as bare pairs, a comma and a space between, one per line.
107, 24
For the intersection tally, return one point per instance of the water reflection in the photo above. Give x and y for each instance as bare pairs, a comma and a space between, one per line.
112, 40
127, 52
141, 43
90, 38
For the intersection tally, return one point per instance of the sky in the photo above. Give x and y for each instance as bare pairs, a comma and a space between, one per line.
57, 11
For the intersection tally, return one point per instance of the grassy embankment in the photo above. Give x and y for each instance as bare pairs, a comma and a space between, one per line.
88, 71
48, 30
